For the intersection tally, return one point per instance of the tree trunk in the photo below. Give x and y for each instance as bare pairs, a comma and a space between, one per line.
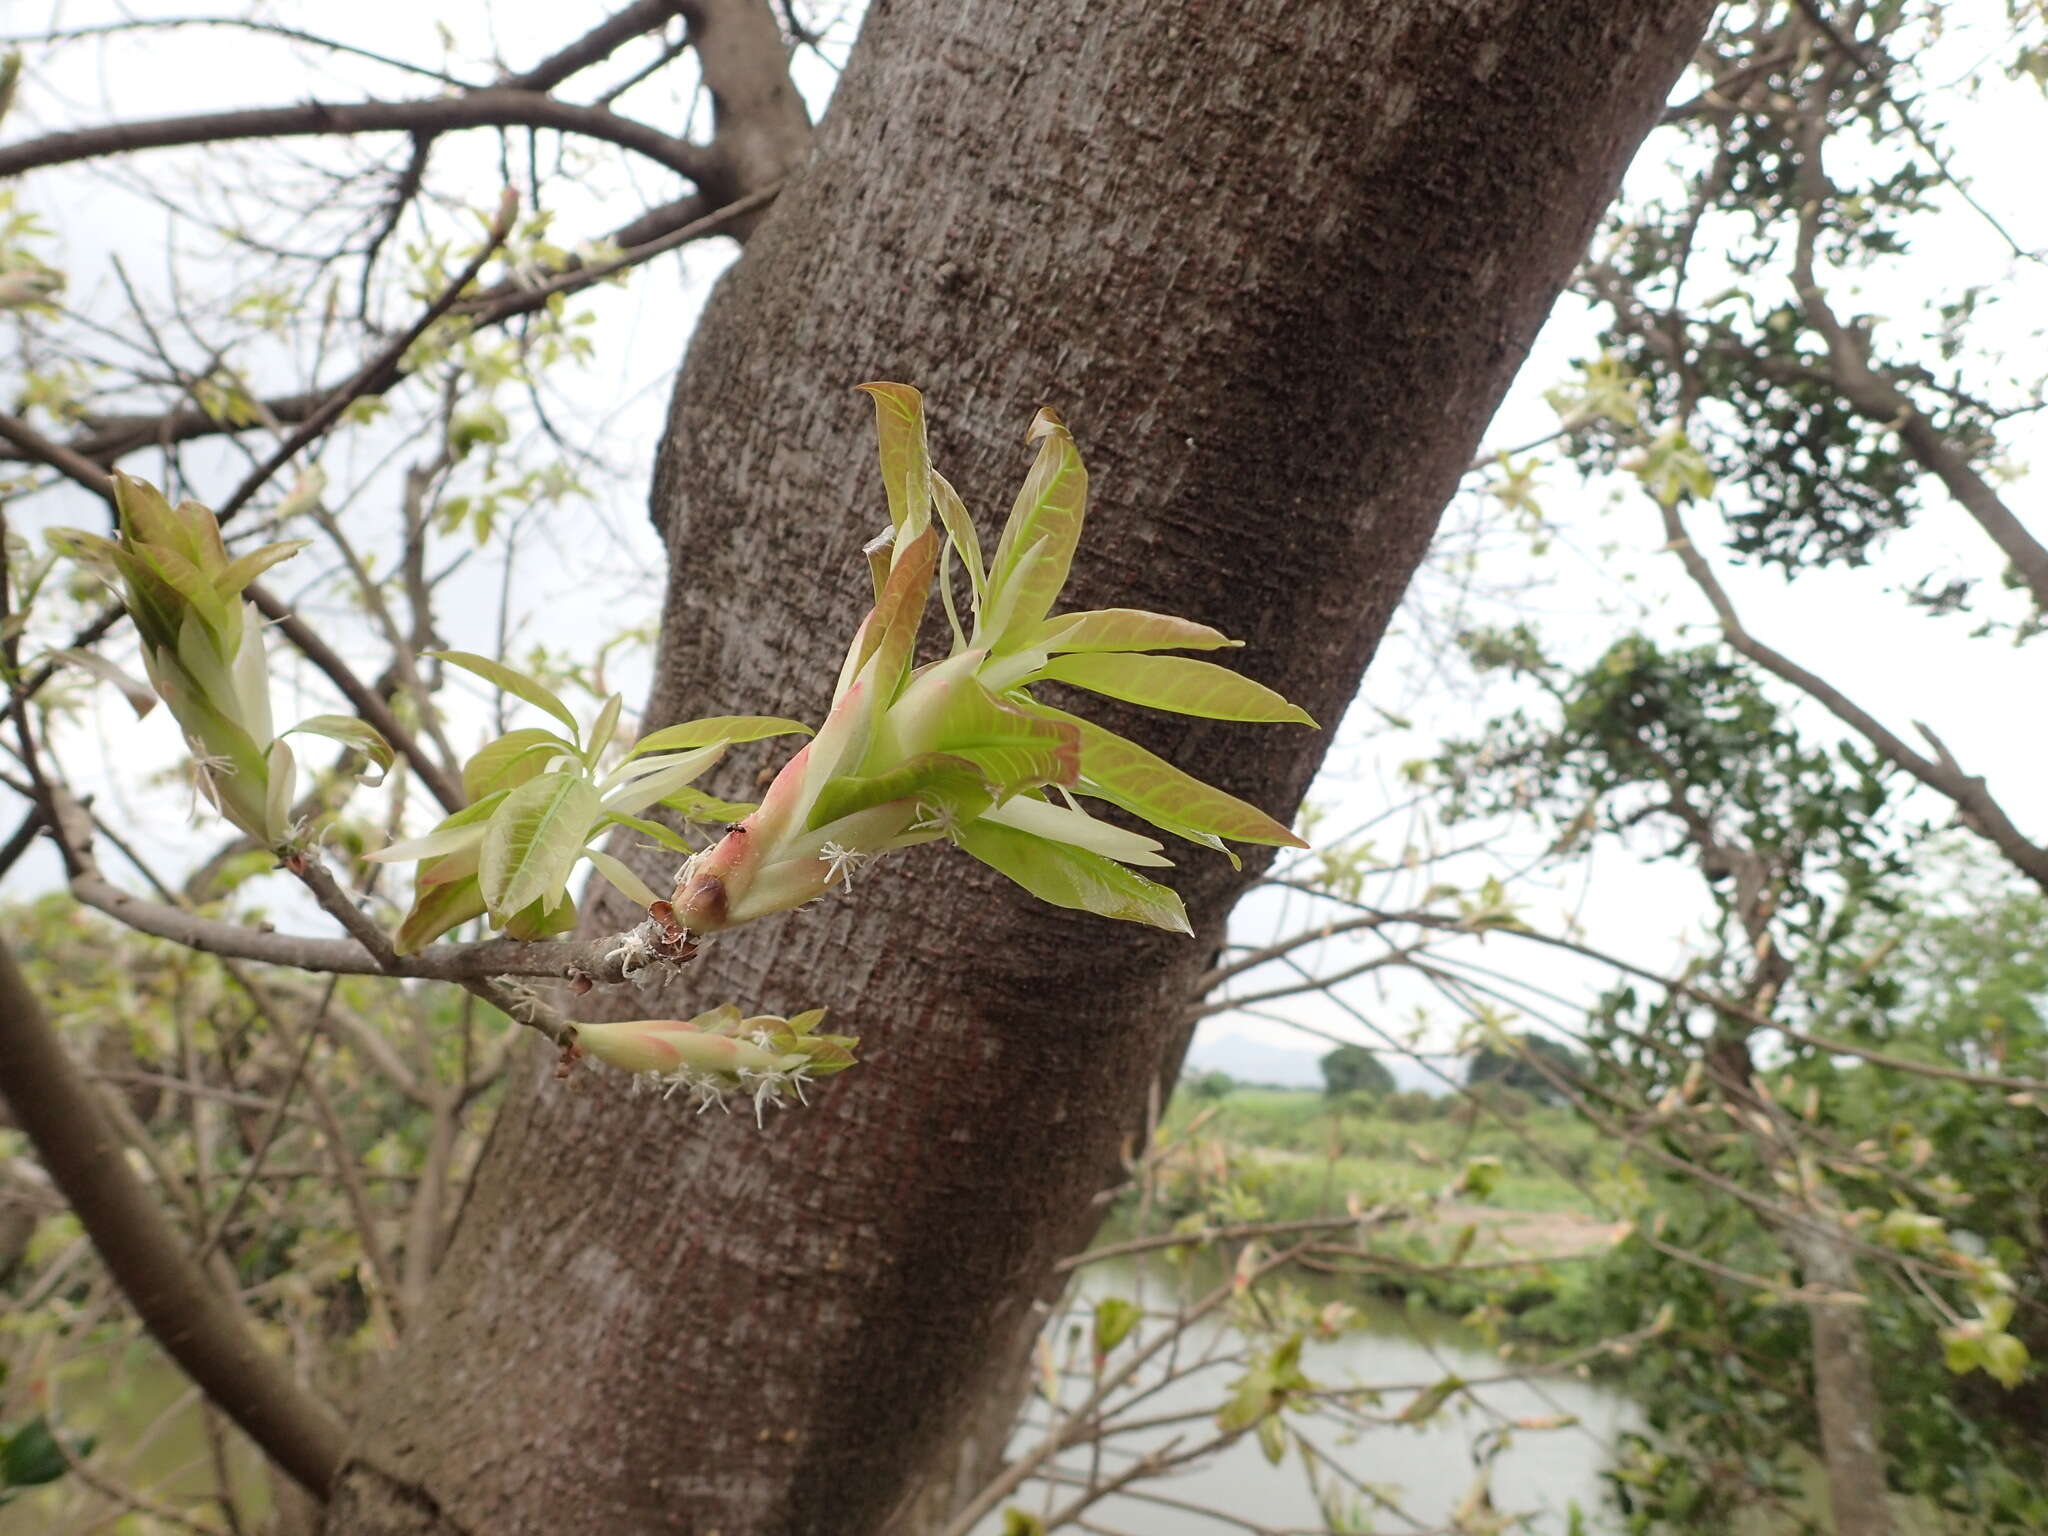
1844, 1386
1276, 267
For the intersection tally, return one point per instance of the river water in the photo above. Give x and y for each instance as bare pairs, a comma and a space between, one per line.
1425, 1473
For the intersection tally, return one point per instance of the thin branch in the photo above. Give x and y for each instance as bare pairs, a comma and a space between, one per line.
197, 1326
498, 107
596, 45
1723, 1005
600, 959
242, 23
651, 234
1981, 811
383, 370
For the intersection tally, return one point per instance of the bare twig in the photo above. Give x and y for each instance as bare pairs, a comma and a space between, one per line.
498, 107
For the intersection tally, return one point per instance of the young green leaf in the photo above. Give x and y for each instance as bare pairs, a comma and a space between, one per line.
1077, 829
511, 760
675, 770
622, 879
435, 910
533, 841
1125, 774
234, 579
698, 806
955, 714
461, 829
960, 529
601, 732
652, 829
280, 774
1048, 512
1125, 629
935, 773
715, 729
516, 683
906, 460
351, 732
1177, 683
1073, 878
888, 634
538, 920
1115, 1317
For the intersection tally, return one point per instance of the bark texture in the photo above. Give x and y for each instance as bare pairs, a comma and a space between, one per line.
1276, 267
1845, 1396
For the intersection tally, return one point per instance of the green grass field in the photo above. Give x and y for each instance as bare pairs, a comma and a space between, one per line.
1315, 1151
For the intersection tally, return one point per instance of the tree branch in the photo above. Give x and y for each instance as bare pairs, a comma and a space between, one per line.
193, 1322
1981, 812
1877, 399
652, 234
600, 960
596, 45
498, 107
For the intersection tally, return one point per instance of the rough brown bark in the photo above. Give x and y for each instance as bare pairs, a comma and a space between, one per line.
1276, 266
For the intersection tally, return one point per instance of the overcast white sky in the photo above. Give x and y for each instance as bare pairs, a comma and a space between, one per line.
1983, 697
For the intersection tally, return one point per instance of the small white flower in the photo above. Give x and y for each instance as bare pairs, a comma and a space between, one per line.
937, 816
633, 949
203, 767
842, 864
702, 1086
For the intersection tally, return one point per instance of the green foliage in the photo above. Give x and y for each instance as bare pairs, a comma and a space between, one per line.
544, 802
1648, 736
1951, 1173
1353, 1069
31, 1455
1536, 1066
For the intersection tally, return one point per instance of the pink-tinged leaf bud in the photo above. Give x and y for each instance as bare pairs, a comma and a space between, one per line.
764, 1058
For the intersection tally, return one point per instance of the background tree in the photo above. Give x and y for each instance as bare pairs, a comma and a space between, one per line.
1544, 1069
1354, 1069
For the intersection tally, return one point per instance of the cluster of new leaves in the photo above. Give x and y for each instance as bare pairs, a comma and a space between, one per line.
960, 750
202, 646
541, 800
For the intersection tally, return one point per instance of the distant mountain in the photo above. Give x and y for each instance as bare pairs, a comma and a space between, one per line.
1255, 1061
